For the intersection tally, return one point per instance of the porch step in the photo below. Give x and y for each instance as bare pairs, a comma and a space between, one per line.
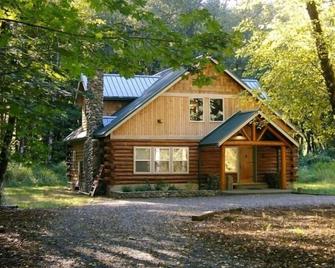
251, 186
257, 192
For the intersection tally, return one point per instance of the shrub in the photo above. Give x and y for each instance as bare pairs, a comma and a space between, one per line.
272, 179
20, 175
320, 171
161, 186
172, 188
144, 188
127, 189
207, 182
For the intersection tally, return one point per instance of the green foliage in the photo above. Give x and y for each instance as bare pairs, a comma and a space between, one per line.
144, 187
161, 186
19, 175
172, 188
281, 52
209, 182
45, 45
127, 189
322, 171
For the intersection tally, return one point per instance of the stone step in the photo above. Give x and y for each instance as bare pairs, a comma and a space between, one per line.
251, 185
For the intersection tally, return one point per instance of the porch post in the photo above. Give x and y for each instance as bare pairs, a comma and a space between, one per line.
283, 181
223, 184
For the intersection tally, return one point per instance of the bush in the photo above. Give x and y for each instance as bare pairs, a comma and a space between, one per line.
126, 189
19, 175
325, 156
272, 179
172, 188
144, 188
209, 182
319, 171
161, 186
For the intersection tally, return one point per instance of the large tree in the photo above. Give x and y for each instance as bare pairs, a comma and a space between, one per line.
44, 45
282, 53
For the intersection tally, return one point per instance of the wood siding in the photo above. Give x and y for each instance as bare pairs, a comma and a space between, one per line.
168, 116
119, 162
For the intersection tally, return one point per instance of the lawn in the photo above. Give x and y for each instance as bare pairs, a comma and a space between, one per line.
45, 197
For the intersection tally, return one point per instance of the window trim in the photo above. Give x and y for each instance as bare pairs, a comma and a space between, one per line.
203, 110
209, 110
188, 160
152, 160
134, 160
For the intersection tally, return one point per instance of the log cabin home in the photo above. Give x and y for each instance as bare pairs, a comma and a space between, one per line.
163, 128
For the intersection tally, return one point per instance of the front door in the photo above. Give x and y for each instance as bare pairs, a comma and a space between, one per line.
246, 164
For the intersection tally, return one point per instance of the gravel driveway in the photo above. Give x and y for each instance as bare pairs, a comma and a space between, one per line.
142, 233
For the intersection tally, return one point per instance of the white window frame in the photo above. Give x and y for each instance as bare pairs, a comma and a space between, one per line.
150, 160
188, 160
203, 110
209, 109
153, 160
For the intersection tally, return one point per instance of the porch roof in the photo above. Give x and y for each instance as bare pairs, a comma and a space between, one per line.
228, 128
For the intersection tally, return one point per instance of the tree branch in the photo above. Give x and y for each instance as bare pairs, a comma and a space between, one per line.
85, 36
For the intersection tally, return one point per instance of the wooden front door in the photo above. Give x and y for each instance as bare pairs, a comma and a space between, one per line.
246, 164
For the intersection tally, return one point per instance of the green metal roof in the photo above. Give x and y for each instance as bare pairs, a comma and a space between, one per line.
228, 128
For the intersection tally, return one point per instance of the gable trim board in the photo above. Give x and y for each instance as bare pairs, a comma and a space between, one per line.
218, 137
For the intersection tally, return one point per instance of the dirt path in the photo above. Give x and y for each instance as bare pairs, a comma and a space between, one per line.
133, 233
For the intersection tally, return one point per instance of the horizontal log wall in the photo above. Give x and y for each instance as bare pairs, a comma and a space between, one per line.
118, 162
73, 165
209, 161
268, 161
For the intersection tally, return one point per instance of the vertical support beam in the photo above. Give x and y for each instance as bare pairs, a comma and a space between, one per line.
223, 183
255, 160
254, 138
283, 180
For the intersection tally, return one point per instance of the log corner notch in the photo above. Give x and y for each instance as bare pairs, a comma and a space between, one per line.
223, 183
283, 179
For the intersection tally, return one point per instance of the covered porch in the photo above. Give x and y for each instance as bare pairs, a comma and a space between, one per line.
249, 151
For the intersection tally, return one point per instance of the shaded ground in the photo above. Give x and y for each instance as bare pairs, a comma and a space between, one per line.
159, 233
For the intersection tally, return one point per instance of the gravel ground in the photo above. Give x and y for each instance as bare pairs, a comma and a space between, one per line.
134, 233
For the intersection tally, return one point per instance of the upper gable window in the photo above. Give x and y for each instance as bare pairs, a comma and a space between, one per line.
216, 109
196, 109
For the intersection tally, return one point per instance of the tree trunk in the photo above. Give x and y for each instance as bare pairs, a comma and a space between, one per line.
323, 53
4, 150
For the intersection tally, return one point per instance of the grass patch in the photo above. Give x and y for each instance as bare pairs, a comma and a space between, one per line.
318, 178
45, 197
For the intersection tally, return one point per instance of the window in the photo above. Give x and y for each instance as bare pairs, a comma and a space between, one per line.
196, 109
216, 109
161, 160
231, 156
180, 160
142, 160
